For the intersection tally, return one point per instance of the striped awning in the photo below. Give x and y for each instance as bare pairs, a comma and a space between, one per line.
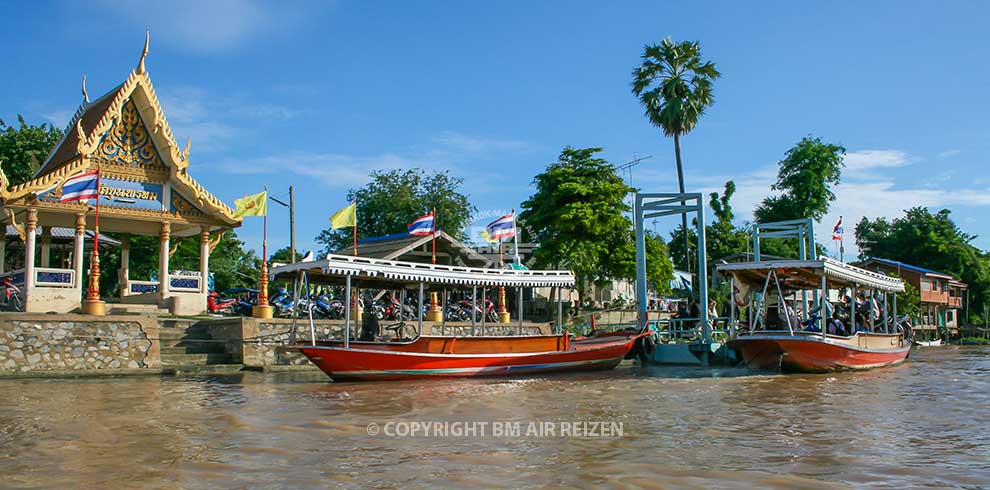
806, 274
398, 272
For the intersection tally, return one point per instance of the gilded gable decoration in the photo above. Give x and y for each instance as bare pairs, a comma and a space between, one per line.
128, 140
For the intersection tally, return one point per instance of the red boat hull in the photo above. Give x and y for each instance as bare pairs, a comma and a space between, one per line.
358, 363
812, 353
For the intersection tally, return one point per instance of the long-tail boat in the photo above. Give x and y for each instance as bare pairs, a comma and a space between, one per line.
430, 356
815, 339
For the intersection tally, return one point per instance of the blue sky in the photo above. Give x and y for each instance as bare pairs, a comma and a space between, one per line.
318, 94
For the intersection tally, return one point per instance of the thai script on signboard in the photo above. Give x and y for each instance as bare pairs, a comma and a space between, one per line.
128, 193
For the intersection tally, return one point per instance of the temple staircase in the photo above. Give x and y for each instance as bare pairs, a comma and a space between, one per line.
188, 347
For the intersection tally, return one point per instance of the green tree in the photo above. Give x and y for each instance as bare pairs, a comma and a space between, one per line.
659, 268
932, 241
24, 148
284, 256
576, 216
674, 85
722, 237
394, 198
909, 302
805, 179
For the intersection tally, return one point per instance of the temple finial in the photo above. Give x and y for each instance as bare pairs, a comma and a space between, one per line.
85, 94
185, 151
147, 40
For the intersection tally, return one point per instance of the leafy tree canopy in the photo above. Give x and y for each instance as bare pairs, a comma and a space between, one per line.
805, 179
576, 216
25, 147
723, 238
284, 255
394, 198
674, 85
932, 241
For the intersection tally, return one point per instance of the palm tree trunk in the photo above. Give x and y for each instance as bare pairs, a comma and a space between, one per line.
680, 184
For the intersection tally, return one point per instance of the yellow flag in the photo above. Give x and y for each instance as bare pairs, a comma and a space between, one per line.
256, 205
345, 217
488, 238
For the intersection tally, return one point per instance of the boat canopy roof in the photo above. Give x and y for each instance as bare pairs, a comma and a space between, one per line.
807, 274
383, 273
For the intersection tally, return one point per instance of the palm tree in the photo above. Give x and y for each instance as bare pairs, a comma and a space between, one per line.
675, 87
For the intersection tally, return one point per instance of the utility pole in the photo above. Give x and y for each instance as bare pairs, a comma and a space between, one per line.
292, 224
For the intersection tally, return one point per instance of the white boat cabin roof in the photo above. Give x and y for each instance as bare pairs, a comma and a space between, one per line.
380, 273
806, 274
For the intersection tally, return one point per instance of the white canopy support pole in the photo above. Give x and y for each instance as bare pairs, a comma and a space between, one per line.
759, 305
309, 310
886, 317
295, 301
560, 310
474, 308
896, 320
731, 326
519, 292
443, 313
347, 312
484, 316
852, 309
822, 309
783, 302
419, 311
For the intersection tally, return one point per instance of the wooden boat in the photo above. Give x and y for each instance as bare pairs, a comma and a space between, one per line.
809, 347
448, 356
809, 352
928, 343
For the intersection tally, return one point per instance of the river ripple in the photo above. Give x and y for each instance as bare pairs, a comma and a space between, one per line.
922, 424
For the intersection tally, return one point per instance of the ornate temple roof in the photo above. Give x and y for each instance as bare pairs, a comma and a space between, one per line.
126, 133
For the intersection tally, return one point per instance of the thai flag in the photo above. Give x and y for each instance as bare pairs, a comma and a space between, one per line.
837, 231
504, 227
424, 225
82, 187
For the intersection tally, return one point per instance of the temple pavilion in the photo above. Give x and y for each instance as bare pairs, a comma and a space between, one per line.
145, 189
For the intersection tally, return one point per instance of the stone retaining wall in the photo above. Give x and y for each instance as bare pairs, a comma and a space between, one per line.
67, 342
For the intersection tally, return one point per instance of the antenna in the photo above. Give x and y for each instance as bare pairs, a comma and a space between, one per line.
627, 167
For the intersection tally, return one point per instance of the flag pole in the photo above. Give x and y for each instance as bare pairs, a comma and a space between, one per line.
355, 227
263, 309
515, 235
435, 313
93, 305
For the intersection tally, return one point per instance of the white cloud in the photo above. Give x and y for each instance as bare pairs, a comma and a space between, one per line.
449, 151
336, 170
463, 143
858, 162
210, 26
861, 193
59, 118
211, 120
947, 153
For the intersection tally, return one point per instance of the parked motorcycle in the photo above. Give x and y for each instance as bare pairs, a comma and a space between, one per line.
12, 295
219, 306
282, 303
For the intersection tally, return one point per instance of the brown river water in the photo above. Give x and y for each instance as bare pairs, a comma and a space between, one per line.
924, 424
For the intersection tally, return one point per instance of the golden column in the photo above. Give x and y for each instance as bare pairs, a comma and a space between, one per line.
93, 305
262, 309
503, 314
